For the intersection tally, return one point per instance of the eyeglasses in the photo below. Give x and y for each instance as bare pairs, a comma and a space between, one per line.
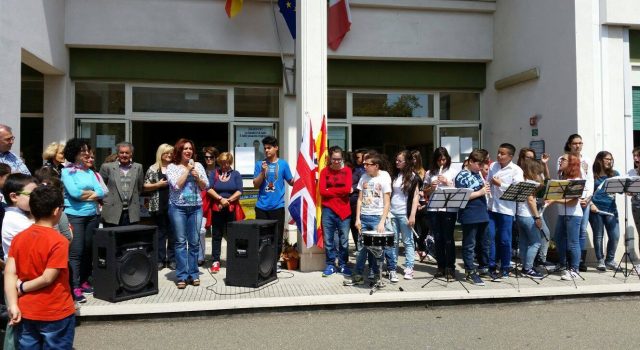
399, 161
24, 193
9, 139
367, 164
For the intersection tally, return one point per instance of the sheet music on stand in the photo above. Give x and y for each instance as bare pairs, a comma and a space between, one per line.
622, 184
564, 189
518, 192
449, 197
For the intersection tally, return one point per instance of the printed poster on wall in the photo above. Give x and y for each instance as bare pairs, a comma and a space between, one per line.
248, 146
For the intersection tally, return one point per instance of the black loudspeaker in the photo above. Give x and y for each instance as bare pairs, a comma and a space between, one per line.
251, 252
125, 262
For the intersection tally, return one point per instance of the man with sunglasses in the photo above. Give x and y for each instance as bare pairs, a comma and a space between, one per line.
6, 142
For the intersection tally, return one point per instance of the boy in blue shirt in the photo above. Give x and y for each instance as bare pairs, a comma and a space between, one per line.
269, 176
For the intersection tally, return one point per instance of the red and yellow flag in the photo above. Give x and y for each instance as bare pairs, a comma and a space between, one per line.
322, 154
233, 7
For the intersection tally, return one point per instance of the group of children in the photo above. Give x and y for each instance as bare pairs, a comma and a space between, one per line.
35, 242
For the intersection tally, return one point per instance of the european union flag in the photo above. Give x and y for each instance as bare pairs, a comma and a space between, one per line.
288, 10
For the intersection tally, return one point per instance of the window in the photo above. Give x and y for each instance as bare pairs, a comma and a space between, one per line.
256, 102
337, 136
99, 98
179, 100
393, 105
459, 106
337, 104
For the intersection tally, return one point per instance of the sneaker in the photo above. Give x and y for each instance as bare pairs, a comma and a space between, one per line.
483, 271
87, 289
354, 281
215, 267
601, 266
160, 266
531, 273
172, 266
408, 273
569, 275
329, 270
439, 273
637, 268
393, 276
475, 279
495, 277
505, 274
548, 266
429, 259
613, 267
371, 275
345, 271
78, 297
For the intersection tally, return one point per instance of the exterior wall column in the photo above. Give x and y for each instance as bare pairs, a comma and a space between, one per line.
10, 84
311, 86
57, 121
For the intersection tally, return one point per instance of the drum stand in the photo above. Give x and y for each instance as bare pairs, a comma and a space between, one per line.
378, 253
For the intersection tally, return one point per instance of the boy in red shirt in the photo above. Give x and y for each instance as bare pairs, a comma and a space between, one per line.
335, 186
36, 277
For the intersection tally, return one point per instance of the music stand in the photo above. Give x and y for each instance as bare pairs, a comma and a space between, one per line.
630, 185
565, 190
519, 192
449, 197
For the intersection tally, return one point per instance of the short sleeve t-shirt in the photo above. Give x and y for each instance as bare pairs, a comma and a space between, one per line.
373, 190
398, 198
34, 250
271, 193
476, 209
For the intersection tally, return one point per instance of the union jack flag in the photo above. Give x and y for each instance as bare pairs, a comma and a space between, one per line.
302, 204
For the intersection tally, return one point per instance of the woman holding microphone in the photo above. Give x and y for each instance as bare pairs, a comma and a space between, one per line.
186, 179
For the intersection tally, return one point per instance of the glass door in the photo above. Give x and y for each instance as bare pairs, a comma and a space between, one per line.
459, 140
103, 135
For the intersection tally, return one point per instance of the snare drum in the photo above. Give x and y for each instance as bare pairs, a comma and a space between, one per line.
377, 239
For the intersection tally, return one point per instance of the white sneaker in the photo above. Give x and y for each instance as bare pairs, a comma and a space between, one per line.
568, 275
637, 268
408, 273
393, 277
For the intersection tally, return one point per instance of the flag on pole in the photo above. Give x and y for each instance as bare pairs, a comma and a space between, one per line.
233, 7
288, 11
322, 153
338, 22
302, 205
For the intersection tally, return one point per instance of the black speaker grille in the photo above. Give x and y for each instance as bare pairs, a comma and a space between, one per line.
134, 269
267, 256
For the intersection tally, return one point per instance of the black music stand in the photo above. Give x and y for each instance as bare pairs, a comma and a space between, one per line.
448, 197
630, 185
565, 190
519, 192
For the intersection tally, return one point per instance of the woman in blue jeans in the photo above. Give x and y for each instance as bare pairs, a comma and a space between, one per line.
186, 179
82, 191
604, 213
529, 220
404, 205
567, 235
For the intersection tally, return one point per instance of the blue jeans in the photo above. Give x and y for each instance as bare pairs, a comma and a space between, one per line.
500, 227
442, 226
331, 223
584, 223
401, 227
472, 235
530, 240
81, 247
369, 223
568, 237
46, 334
186, 222
598, 223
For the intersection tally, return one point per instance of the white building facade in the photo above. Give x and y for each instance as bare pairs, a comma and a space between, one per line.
410, 73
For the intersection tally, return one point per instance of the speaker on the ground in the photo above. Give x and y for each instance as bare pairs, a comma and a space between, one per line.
251, 252
125, 262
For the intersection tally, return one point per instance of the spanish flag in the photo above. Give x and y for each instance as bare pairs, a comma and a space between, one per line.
321, 154
233, 7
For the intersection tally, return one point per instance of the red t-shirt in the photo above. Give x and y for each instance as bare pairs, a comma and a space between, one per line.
335, 186
34, 250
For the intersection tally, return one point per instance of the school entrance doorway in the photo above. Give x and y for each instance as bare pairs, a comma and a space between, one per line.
390, 139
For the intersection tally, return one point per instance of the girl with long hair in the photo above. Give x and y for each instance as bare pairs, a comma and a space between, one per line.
604, 213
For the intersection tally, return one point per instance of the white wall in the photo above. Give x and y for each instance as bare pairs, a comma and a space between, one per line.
620, 13
532, 34
406, 30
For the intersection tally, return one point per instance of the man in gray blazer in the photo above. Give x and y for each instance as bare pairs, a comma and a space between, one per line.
125, 181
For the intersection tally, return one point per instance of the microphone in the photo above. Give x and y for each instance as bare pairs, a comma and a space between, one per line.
191, 162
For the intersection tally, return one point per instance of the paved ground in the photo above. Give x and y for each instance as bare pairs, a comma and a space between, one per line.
294, 289
565, 324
